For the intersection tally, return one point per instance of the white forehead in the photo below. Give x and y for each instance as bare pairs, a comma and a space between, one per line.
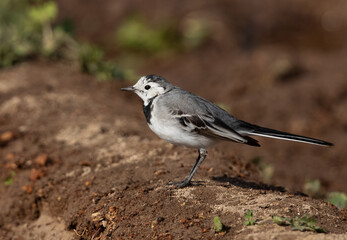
140, 82
143, 79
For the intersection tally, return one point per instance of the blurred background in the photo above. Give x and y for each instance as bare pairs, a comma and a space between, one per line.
275, 63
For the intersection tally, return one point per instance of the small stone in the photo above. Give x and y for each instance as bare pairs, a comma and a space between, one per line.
11, 166
40, 192
97, 217
41, 159
154, 223
160, 172
6, 137
27, 188
104, 223
183, 220
112, 209
85, 163
36, 174
9, 157
87, 183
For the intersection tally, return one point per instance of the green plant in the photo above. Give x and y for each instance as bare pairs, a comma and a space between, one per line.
26, 31
195, 32
135, 34
338, 199
282, 221
218, 225
305, 223
249, 218
313, 188
9, 180
91, 60
266, 169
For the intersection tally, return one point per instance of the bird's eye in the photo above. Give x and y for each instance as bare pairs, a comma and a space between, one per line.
147, 87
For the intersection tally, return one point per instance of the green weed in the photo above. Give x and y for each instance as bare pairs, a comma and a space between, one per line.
9, 180
305, 223
266, 169
313, 188
91, 60
195, 32
282, 221
249, 218
218, 225
26, 31
338, 199
137, 35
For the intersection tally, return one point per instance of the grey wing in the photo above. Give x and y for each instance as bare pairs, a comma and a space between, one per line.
196, 114
210, 126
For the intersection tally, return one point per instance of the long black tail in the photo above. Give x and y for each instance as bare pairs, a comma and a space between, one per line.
252, 129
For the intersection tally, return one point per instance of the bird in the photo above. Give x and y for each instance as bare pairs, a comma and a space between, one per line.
183, 118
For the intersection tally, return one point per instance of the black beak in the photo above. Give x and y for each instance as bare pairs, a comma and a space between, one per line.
128, 89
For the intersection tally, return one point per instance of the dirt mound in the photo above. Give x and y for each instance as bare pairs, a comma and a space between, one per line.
83, 164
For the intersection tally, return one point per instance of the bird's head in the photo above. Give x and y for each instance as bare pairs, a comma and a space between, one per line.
150, 86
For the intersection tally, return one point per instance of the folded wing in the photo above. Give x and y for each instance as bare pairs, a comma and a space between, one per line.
210, 126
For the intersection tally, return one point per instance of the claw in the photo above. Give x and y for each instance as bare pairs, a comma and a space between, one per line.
181, 184
184, 183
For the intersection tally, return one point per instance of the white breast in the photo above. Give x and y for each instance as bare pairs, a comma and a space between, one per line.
171, 130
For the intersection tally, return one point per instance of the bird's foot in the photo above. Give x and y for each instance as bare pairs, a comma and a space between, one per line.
183, 184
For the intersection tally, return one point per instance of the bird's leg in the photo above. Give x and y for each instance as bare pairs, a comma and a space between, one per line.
199, 160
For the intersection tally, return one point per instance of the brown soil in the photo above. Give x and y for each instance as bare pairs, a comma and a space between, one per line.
105, 175
87, 166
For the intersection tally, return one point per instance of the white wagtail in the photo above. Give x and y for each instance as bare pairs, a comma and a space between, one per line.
183, 118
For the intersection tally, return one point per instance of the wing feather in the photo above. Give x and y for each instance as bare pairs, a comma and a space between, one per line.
209, 126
